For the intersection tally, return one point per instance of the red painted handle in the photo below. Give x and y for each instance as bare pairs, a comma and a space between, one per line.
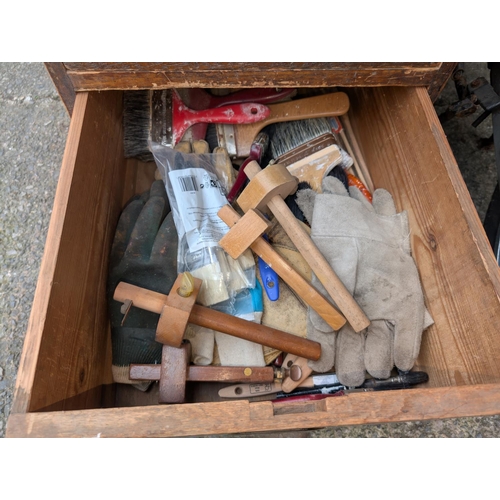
352, 180
201, 99
256, 151
184, 117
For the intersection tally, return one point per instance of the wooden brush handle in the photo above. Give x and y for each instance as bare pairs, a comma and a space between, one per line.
304, 244
334, 104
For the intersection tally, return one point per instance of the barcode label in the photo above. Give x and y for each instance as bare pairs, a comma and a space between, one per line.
188, 183
198, 197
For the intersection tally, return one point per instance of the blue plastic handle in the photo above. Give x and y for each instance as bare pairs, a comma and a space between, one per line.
269, 279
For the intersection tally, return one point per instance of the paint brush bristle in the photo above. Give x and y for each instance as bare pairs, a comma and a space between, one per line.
136, 124
289, 135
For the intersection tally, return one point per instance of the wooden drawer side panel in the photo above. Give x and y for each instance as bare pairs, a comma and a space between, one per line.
67, 344
406, 152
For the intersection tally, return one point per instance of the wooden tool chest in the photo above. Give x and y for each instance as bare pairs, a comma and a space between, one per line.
64, 386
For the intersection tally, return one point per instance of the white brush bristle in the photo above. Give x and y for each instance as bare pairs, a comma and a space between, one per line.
290, 135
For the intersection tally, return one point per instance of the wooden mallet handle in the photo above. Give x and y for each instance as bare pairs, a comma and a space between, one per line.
299, 284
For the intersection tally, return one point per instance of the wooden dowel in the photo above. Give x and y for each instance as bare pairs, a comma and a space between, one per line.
356, 170
359, 155
267, 336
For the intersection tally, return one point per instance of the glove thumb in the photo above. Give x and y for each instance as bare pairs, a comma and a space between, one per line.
327, 342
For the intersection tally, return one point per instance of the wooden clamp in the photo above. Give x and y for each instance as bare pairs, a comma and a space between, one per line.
266, 252
177, 311
175, 371
269, 187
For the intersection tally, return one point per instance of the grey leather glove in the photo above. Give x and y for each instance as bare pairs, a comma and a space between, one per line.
367, 245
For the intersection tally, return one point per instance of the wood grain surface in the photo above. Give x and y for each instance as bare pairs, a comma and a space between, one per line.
106, 76
275, 201
310, 295
66, 349
66, 362
208, 373
63, 84
199, 419
70, 78
219, 322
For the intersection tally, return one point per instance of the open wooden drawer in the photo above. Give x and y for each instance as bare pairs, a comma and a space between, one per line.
64, 386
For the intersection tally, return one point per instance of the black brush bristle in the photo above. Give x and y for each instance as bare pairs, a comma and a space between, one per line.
291, 201
136, 124
211, 136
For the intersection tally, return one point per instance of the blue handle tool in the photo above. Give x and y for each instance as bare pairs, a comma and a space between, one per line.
269, 278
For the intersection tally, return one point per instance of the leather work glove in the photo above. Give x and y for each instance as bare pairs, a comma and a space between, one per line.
144, 253
367, 245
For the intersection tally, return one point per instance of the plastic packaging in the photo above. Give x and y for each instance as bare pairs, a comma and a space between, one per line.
196, 194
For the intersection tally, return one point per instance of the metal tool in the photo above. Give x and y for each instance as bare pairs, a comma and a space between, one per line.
323, 384
259, 389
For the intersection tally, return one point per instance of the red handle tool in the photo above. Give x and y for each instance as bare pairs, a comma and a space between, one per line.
184, 117
200, 99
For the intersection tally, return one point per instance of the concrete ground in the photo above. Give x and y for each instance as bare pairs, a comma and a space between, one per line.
33, 128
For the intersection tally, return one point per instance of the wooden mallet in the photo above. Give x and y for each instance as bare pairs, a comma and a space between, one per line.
246, 233
267, 188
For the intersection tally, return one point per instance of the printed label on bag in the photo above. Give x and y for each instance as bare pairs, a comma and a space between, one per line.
199, 197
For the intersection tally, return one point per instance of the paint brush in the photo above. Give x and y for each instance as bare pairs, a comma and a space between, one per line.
197, 99
238, 138
161, 116
307, 148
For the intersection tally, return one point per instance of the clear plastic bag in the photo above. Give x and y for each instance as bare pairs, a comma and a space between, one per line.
196, 194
